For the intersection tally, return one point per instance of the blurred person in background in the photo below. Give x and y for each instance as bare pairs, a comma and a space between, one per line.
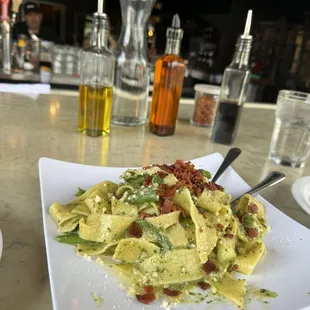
32, 27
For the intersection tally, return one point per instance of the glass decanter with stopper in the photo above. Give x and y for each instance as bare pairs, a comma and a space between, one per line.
131, 83
96, 81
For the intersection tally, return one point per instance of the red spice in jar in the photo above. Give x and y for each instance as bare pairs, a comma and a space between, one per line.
205, 105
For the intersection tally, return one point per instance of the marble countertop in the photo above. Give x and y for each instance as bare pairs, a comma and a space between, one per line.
48, 127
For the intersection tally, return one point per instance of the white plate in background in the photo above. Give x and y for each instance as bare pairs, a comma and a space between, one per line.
285, 269
301, 193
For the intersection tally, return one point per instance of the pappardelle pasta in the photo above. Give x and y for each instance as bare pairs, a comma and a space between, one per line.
169, 229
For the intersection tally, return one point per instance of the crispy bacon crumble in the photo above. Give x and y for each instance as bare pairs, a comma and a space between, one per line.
187, 176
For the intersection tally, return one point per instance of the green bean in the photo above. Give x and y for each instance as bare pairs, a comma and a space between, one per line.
141, 196
72, 238
155, 234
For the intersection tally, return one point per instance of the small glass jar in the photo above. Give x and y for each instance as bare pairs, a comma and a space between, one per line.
205, 104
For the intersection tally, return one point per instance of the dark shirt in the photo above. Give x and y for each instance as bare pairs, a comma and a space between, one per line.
46, 33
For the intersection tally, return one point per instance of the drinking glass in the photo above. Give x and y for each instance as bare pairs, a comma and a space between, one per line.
290, 144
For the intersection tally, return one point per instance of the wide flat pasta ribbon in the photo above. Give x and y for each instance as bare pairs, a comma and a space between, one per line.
104, 227
206, 235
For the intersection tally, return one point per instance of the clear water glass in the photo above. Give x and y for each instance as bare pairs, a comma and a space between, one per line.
290, 144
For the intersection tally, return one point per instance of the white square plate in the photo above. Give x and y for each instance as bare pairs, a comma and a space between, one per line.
285, 269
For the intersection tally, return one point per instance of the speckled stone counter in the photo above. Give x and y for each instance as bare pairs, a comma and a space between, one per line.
46, 127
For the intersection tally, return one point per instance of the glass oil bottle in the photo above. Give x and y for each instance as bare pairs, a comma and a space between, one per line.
96, 81
233, 89
168, 83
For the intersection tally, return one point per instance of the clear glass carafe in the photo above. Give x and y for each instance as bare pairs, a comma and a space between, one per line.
131, 83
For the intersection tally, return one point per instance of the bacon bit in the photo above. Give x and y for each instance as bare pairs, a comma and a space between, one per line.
213, 186
134, 230
180, 183
230, 236
203, 285
187, 175
166, 168
253, 208
234, 267
252, 232
171, 292
143, 215
148, 289
148, 297
162, 174
147, 181
200, 229
147, 167
170, 191
176, 208
166, 206
219, 227
166, 191
209, 267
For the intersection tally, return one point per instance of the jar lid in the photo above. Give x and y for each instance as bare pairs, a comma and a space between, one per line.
208, 89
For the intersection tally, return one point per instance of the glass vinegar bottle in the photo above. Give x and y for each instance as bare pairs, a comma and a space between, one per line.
96, 81
233, 89
168, 83
232, 96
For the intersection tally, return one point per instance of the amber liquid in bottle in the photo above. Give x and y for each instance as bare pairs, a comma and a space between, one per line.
167, 89
95, 104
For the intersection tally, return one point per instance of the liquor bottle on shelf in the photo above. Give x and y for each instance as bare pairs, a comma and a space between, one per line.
96, 81
168, 83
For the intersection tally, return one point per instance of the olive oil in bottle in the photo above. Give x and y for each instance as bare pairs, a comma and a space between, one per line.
95, 109
96, 82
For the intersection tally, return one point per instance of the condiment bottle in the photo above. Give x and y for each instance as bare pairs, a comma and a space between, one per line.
96, 81
168, 83
233, 90
205, 104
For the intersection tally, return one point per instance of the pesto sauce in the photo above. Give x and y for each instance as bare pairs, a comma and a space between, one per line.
197, 298
266, 293
98, 300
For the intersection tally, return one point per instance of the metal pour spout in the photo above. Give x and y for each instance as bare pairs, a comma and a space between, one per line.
247, 27
176, 23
